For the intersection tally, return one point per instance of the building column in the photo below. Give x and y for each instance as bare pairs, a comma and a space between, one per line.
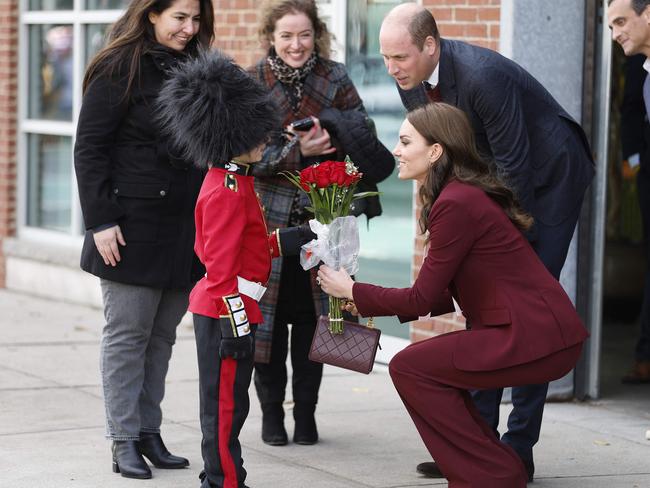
8, 117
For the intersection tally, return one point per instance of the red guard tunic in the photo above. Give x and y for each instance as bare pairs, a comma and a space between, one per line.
231, 241
233, 244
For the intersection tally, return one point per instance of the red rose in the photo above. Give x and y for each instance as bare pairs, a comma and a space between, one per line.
338, 174
354, 178
307, 178
322, 175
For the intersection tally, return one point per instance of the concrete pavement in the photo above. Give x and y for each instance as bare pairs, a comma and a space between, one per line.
51, 421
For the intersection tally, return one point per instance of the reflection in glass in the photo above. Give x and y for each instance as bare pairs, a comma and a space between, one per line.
50, 4
49, 192
50, 72
94, 40
106, 4
384, 259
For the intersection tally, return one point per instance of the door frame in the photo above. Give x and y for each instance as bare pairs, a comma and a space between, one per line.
591, 244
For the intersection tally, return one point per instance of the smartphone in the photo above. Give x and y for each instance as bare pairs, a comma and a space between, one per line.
303, 124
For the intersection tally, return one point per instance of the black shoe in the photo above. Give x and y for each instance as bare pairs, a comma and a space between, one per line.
429, 469
305, 432
128, 462
153, 448
273, 431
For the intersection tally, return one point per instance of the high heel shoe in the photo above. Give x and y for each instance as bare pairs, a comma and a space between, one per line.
153, 448
128, 462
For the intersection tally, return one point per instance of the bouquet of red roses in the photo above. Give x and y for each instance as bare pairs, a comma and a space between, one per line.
330, 187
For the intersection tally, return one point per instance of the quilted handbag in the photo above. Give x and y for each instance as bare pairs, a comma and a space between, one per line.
355, 349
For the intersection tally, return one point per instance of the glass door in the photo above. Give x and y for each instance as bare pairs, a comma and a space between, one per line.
387, 240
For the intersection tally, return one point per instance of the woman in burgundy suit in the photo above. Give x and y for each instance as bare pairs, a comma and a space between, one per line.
521, 326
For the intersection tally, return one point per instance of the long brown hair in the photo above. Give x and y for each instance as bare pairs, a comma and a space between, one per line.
448, 126
133, 34
274, 10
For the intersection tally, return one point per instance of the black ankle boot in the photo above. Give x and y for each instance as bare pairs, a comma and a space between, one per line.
273, 431
305, 432
152, 447
128, 462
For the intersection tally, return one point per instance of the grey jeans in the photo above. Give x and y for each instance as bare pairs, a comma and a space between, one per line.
136, 346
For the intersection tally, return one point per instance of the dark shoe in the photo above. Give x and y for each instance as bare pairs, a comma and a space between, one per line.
273, 431
153, 448
640, 373
305, 432
128, 462
429, 469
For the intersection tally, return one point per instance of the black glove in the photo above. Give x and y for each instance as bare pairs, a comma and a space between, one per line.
236, 347
292, 238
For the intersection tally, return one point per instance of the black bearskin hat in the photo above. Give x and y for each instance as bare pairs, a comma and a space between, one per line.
212, 110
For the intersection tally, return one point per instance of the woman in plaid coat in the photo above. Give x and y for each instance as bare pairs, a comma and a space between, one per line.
304, 83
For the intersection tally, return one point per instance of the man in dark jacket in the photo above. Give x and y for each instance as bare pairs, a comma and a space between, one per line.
539, 150
630, 24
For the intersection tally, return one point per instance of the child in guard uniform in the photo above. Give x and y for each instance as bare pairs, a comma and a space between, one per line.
220, 118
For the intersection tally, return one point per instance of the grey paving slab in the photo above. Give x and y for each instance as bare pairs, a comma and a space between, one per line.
603, 422
29, 320
617, 481
13, 379
48, 409
64, 364
569, 450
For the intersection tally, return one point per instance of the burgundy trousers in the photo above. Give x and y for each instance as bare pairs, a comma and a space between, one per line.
436, 396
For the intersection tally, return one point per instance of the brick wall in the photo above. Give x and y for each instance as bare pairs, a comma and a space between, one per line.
477, 22
236, 29
8, 112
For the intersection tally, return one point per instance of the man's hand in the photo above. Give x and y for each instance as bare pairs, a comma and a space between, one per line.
107, 241
236, 347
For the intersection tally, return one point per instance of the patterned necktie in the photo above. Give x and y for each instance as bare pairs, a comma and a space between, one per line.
433, 93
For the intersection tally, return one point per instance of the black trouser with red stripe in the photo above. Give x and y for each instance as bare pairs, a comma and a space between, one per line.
223, 385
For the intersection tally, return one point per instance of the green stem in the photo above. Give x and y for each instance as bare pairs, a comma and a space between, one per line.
335, 315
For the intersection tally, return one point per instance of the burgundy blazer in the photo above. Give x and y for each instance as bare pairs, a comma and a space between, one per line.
517, 312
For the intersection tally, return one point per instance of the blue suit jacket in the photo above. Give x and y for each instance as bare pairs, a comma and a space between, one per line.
538, 148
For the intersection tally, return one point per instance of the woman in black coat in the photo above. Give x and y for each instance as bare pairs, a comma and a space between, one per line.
137, 199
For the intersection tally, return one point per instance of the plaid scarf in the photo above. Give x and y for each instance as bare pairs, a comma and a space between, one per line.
292, 78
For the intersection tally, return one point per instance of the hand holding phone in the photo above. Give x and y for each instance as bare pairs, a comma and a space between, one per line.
314, 140
303, 125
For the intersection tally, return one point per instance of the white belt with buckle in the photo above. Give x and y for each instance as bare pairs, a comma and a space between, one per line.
250, 288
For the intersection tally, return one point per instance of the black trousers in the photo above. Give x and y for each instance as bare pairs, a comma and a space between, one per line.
295, 306
224, 405
643, 186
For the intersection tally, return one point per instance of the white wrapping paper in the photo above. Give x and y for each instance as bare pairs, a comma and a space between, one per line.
336, 245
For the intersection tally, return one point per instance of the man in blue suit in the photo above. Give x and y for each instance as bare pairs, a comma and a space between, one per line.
535, 145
